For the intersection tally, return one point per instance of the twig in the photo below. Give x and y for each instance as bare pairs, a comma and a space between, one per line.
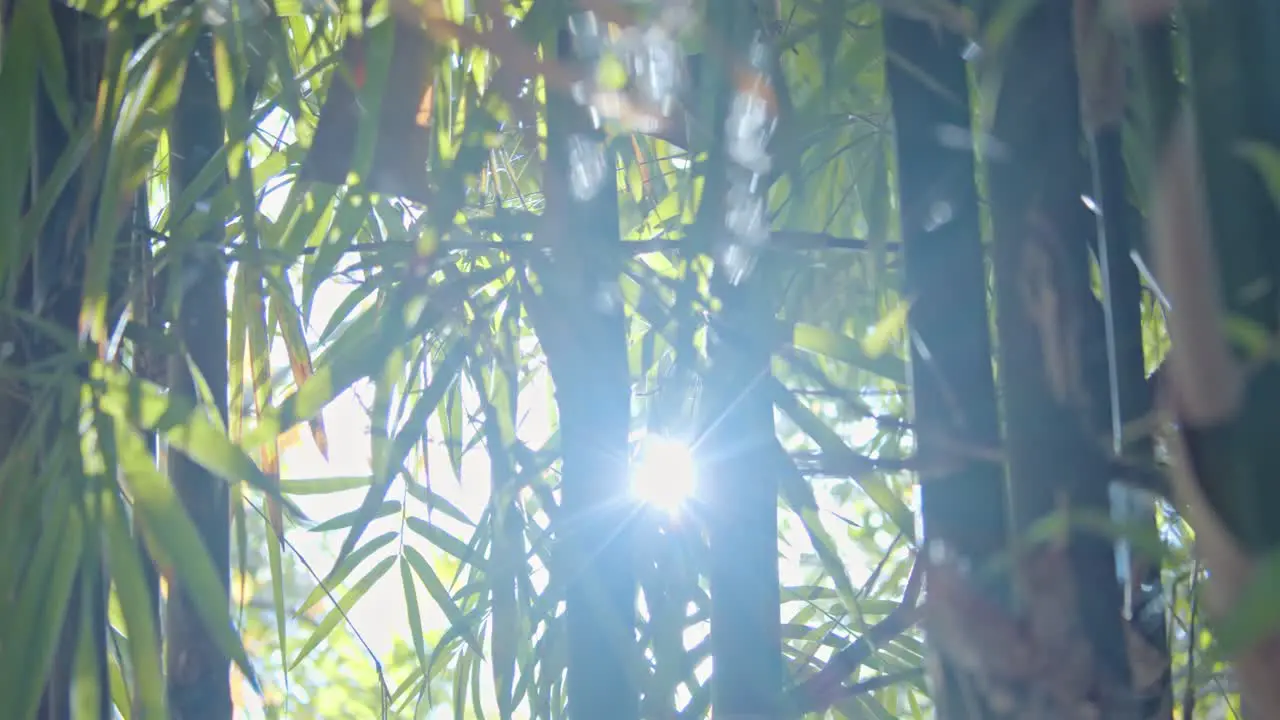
826, 687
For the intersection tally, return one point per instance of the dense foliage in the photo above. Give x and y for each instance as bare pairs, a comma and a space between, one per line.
371, 351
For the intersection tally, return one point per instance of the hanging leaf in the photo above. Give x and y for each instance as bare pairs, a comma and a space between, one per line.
342, 569
845, 349
402, 444
169, 527
457, 620
338, 614
131, 401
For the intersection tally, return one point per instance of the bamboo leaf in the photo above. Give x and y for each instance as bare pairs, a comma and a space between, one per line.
443, 540
402, 444
415, 615
275, 557
337, 614
889, 327
87, 693
799, 496
135, 604
438, 592
832, 444
845, 349
344, 568
18, 79
350, 518
41, 612
168, 525
129, 400
324, 486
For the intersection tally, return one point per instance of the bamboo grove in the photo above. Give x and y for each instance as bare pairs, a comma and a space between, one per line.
963, 311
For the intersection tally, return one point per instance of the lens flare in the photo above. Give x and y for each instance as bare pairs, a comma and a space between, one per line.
664, 474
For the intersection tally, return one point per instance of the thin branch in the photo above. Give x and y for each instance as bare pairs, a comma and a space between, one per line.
826, 687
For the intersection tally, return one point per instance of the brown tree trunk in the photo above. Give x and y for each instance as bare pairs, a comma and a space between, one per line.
1048, 330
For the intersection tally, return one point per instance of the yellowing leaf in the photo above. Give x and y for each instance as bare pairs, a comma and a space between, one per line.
611, 74
877, 342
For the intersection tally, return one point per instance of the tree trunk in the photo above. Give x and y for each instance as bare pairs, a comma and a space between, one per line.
1121, 379
739, 482
198, 671
583, 334
953, 392
1048, 330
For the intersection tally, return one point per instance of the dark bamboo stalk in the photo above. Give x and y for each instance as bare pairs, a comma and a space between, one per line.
739, 486
586, 347
953, 392
198, 670
1122, 380
1047, 319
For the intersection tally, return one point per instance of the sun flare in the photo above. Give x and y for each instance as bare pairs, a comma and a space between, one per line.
664, 474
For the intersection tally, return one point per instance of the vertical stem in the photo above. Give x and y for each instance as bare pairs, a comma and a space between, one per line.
198, 671
147, 367
1047, 314
1231, 47
740, 486
586, 345
953, 392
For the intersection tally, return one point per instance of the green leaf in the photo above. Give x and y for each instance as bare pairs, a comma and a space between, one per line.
136, 605
41, 609
342, 569
363, 349
436, 502
892, 325
845, 349
86, 691
443, 540
402, 444
130, 400
450, 415
336, 615
275, 556
799, 496
350, 518
457, 620
324, 486
18, 78
415, 615
833, 445
170, 528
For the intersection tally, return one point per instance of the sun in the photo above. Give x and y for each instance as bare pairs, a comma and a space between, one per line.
664, 474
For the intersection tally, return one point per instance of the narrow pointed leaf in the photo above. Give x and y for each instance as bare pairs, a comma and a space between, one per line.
161, 512
457, 620
336, 615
